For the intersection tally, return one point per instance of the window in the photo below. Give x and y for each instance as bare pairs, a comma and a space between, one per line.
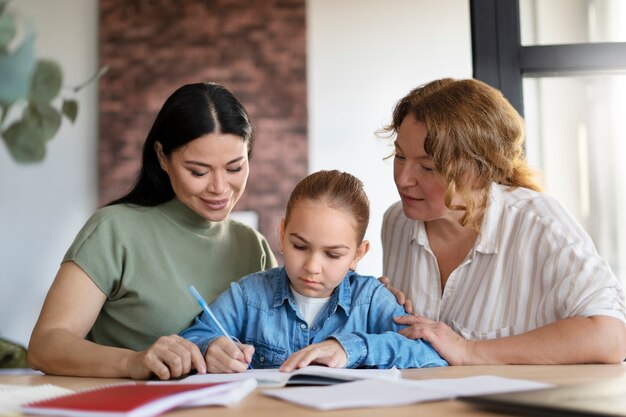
562, 64
554, 22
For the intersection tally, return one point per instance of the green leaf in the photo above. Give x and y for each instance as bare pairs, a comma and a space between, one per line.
25, 142
45, 117
70, 109
46, 82
16, 70
7, 32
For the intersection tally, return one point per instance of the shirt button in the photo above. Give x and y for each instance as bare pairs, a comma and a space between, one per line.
302, 326
262, 359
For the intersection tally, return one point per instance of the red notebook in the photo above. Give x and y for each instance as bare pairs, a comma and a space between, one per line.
131, 400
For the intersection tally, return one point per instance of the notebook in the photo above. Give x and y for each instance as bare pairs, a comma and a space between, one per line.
309, 375
134, 400
606, 398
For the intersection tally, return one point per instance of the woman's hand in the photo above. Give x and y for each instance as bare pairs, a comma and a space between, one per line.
452, 347
223, 356
169, 357
400, 297
329, 353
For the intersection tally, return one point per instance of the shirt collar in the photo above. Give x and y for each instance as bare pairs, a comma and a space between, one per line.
418, 233
186, 217
282, 292
488, 241
341, 296
489, 237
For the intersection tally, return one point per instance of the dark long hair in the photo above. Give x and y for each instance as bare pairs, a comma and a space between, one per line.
192, 111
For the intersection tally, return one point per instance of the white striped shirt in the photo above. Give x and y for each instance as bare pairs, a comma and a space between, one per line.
532, 265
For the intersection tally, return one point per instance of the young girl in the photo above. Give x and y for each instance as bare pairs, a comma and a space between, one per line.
315, 309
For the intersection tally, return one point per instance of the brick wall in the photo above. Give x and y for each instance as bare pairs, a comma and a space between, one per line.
254, 48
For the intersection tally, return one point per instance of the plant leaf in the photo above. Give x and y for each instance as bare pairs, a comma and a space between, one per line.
70, 109
16, 70
45, 117
46, 82
7, 31
25, 142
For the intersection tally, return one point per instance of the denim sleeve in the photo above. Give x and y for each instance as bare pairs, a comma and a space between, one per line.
386, 350
229, 310
380, 346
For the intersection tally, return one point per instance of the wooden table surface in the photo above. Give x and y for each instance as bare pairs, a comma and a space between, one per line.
257, 404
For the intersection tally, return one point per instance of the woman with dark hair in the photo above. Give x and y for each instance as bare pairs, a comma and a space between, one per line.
496, 271
121, 293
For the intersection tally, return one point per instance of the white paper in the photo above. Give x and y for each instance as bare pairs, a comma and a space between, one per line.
12, 396
228, 398
357, 394
390, 393
275, 378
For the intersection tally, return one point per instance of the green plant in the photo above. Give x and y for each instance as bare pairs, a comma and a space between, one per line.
32, 86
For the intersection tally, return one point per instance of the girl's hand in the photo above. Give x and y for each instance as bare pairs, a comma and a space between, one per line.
169, 357
452, 347
329, 353
400, 297
223, 356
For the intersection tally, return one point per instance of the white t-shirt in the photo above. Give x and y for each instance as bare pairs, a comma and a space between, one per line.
532, 265
309, 307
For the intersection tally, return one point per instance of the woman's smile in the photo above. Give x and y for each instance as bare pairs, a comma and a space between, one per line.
215, 204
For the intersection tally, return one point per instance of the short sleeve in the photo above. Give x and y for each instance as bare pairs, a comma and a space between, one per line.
588, 287
98, 253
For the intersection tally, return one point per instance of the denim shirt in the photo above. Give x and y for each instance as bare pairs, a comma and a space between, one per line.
260, 310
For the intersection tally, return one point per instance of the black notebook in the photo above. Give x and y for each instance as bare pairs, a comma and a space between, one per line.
606, 398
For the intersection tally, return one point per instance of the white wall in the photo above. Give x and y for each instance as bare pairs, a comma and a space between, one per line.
363, 56
42, 206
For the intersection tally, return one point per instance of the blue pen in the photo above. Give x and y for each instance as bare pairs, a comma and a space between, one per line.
207, 310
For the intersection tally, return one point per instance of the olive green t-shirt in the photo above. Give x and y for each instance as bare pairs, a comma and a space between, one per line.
145, 258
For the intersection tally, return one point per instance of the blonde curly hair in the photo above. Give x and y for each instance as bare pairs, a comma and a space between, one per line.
473, 134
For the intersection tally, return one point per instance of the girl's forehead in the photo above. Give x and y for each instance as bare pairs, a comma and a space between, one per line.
320, 223
323, 210
307, 206
308, 209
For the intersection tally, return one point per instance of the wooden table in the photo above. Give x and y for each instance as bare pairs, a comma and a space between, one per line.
259, 405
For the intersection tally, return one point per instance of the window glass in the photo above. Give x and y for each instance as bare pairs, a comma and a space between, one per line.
547, 22
576, 138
